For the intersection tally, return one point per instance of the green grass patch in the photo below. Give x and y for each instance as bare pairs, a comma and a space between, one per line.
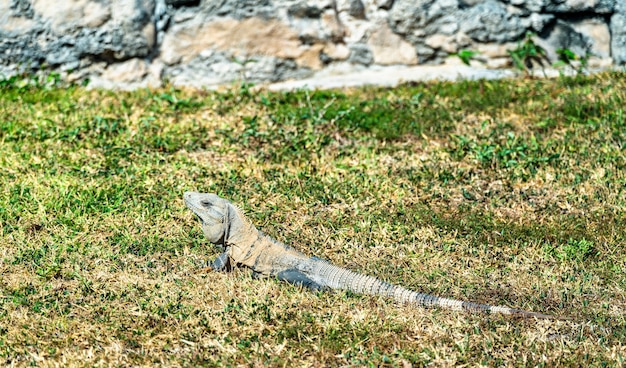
508, 192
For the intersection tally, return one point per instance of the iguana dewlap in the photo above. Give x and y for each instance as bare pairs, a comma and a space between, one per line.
242, 244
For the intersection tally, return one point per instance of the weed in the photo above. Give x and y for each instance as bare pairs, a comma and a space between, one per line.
528, 52
573, 250
571, 59
174, 102
466, 55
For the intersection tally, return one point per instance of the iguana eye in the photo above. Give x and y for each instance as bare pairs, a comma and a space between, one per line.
206, 203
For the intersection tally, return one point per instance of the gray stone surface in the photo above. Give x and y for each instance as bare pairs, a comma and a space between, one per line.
238, 9
130, 43
61, 35
360, 54
489, 21
618, 37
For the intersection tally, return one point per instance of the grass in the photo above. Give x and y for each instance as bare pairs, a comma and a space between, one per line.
505, 192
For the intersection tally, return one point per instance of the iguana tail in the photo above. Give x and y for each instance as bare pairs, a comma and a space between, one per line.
341, 278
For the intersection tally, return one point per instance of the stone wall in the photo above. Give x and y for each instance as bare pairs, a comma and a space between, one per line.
131, 43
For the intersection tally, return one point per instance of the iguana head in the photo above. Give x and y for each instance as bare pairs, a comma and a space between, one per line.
213, 213
222, 222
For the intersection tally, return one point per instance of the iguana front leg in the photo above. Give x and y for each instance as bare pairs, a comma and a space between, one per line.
219, 264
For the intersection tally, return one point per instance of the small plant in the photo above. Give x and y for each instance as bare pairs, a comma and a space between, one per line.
466, 55
573, 250
174, 102
528, 52
243, 63
573, 60
43, 80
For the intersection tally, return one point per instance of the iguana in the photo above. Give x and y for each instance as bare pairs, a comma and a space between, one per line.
242, 244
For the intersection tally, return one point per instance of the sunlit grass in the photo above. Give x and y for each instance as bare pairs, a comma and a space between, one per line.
502, 192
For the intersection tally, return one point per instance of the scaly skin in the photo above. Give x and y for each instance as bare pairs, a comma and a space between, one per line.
243, 245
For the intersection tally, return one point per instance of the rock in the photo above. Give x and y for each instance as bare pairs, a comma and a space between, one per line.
331, 25
360, 54
567, 6
303, 10
414, 19
563, 36
252, 36
61, 34
137, 42
443, 42
618, 37
597, 33
388, 48
538, 22
499, 63
245, 38
424, 53
66, 15
495, 50
132, 70
17, 8
580, 6
16, 17
356, 9
238, 9
311, 57
217, 68
336, 51
489, 22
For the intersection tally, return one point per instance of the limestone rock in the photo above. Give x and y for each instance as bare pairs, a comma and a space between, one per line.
336, 51
489, 21
495, 50
414, 19
136, 42
563, 35
216, 68
567, 6
597, 33
332, 25
356, 9
61, 34
132, 70
14, 19
580, 6
245, 38
65, 15
443, 42
538, 22
304, 10
360, 54
618, 37
238, 9
389, 48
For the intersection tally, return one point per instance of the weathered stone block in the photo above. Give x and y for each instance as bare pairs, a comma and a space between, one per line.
389, 48
489, 21
618, 37
360, 54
